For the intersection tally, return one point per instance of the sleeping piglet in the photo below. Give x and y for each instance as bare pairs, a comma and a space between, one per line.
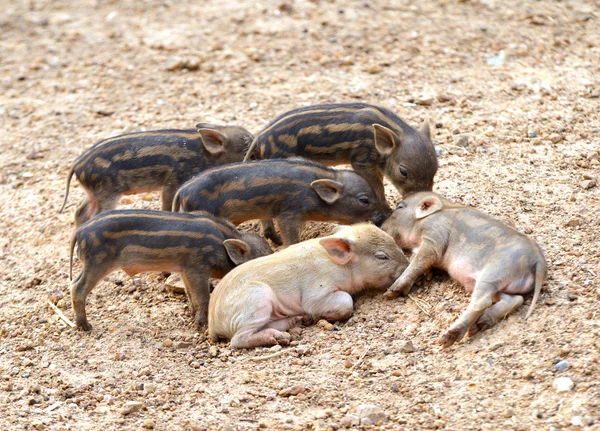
314, 279
495, 262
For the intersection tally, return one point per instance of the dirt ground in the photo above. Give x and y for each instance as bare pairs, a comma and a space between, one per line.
512, 92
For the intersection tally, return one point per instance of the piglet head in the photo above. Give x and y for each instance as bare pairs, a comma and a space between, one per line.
403, 224
371, 255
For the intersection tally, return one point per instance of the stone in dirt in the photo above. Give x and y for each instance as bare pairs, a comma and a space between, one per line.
175, 284
407, 347
325, 325
587, 184
461, 141
292, 390
131, 407
372, 412
350, 421
563, 384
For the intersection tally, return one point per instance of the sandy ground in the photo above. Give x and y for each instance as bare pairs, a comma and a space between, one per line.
512, 92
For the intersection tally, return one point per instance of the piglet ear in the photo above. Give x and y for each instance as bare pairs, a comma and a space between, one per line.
213, 141
424, 131
238, 250
385, 139
328, 190
427, 206
339, 249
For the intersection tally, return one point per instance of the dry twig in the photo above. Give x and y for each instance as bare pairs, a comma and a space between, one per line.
359, 360
61, 315
419, 303
264, 358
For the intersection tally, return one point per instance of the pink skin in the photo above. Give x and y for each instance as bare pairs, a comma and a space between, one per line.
493, 261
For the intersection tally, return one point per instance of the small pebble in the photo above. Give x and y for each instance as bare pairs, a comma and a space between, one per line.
372, 412
563, 384
562, 365
461, 141
407, 347
325, 325
175, 63
424, 101
292, 390
532, 134
131, 407
192, 63
148, 424
349, 421
587, 184
374, 69
576, 421
175, 284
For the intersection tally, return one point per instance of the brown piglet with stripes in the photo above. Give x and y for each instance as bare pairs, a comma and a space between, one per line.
195, 245
290, 191
153, 160
373, 139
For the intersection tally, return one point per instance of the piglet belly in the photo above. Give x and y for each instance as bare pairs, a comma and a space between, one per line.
462, 270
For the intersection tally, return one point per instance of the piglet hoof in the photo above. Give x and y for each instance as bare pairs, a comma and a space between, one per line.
283, 339
200, 320
474, 329
391, 294
85, 325
483, 324
450, 337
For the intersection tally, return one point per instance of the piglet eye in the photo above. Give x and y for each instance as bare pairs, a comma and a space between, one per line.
364, 200
403, 172
381, 255
401, 205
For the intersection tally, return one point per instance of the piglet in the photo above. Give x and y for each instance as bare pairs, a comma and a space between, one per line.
493, 261
314, 279
153, 160
373, 139
195, 245
290, 191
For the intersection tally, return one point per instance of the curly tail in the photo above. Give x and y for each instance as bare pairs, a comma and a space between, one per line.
540, 275
71, 172
73, 241
251, 149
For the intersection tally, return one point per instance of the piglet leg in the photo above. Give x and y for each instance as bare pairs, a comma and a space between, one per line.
167, 196
506, 305
289, 322
290, 226
197, 289
266, 337
257, 319
334, 307
269, 232
480, 301
80, 289
425, 258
